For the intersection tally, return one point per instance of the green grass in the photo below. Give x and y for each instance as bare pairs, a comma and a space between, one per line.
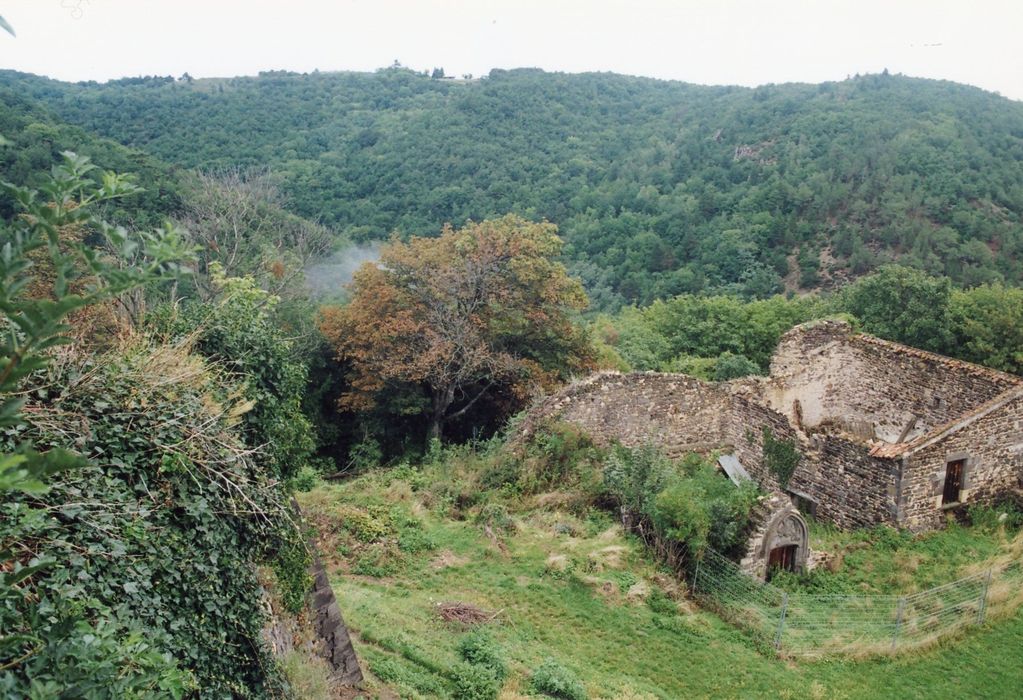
572, 587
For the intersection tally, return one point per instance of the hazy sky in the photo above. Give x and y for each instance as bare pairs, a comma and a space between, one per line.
746, 42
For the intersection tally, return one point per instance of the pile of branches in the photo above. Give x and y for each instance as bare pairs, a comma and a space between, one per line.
465, 614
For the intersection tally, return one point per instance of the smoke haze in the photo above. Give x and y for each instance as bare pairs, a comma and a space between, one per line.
329, 277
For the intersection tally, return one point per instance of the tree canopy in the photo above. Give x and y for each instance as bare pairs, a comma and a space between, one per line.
479, 308
658, 187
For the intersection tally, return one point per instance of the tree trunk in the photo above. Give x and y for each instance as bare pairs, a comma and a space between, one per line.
442, 400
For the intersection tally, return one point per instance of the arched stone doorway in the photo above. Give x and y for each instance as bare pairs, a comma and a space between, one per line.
785, 544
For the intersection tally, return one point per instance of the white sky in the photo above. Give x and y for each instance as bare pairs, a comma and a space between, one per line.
745, 42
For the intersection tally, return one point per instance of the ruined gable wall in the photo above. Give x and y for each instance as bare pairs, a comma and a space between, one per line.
860, 382
993, 448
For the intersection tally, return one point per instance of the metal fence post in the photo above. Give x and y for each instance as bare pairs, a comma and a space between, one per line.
982, 608
696, 576
781, 620
898, 622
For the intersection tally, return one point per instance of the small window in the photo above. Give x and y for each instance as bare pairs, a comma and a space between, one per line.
953, 481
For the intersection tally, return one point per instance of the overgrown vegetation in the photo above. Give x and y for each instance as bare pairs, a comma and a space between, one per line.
135, 505
568, 584
690, 502
780, 457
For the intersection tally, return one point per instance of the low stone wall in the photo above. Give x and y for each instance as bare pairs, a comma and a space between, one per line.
320, 629
331, 630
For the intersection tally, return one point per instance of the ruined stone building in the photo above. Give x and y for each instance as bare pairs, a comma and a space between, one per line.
885, 433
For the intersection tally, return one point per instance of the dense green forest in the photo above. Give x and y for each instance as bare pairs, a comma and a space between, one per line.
658, 188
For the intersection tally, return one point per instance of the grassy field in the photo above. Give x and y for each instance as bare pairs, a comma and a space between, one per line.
563, 582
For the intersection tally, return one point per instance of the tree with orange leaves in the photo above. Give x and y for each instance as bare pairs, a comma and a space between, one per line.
477, 308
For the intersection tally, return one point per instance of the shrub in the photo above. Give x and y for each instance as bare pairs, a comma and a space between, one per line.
780, 457
660, 603
554, 680
691, 501
479, 648
414, 541
305, 479
475, 682
240, 332
682, 513
558, 455
730, 366
370, 525
992, 517
377, 561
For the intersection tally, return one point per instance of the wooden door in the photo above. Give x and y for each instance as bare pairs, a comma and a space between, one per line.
782, 558
953, 481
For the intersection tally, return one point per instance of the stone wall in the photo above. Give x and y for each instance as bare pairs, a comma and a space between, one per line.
743, 430
991, 442
849, 487
336, 644
679, 413
872, 387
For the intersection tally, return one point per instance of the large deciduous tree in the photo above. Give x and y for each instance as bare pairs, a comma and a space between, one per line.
475, 309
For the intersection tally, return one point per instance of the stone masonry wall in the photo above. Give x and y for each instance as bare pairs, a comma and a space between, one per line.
744, 431
679, 413
851, 488
993, 447
873, 387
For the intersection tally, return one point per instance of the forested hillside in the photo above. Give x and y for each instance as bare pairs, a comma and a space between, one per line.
658, 188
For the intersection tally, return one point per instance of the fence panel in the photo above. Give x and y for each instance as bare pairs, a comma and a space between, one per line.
814, 625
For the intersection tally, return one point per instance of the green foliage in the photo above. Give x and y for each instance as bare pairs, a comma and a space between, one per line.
365, 454
105, 659
555, 681
902, 304
661, 604
729, 366
305, 479
291, 569
780, 457
180, 527
479, 648
557, 455
690, 502
694, 334
371, 525
652, 201
700, 367
37, 140
475, 682
52, 643
681, 513
239, 330
987, 326
1006, 515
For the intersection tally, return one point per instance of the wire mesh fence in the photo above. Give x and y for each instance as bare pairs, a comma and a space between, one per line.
800, 624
